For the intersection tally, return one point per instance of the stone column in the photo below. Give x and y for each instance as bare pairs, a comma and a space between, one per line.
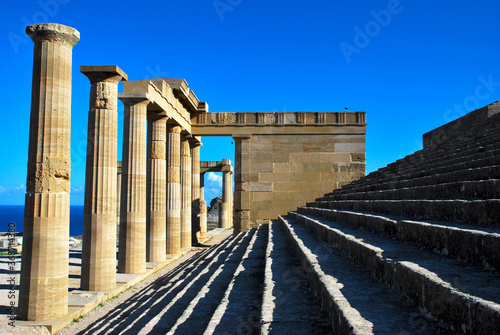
186, 176
174, 190
157, 189
195, 191
118, 196
227, 189
132, 245
242, 165
99, 218
203, 208
43, 290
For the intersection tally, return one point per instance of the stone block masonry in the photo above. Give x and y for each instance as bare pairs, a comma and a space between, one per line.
284, 159
286, 170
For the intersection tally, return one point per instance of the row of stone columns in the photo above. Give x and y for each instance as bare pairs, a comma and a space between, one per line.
156, 195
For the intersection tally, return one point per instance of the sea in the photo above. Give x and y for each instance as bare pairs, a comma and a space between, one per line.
15, 214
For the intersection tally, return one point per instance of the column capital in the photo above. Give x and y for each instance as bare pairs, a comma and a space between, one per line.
98, 73
241, 136
157, 117
53, 32
130, 99
195, 142
185, 147
175, 129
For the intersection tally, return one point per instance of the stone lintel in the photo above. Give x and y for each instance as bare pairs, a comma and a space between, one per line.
182, 92
53, 32
303, 129
216, 166
163, 100
246, 136
97, 73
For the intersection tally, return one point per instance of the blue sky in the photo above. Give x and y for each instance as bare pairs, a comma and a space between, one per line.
412, 65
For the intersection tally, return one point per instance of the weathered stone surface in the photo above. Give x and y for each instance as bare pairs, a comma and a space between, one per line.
174, 200
195, 191
99, 224
132, 239
156, 202
43, 291
53, 33
186, 179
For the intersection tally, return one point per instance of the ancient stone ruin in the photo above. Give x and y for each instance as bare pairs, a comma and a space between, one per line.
424, 228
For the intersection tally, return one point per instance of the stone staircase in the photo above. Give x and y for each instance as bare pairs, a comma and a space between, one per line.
425, 228
413, 248
227, 288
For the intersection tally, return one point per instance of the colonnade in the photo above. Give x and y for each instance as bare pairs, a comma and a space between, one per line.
160, 189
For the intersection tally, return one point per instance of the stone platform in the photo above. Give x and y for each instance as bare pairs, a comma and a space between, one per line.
82, 302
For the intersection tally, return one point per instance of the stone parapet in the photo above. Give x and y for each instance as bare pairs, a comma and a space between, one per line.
279, 118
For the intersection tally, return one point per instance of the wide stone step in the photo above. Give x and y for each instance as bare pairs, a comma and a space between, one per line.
239, 309
475, 174
478, 246
416, 166
484, 139
133, 316
466, 190
461, 298
192, 308
354, 302
438, 168
476, 212
288, 305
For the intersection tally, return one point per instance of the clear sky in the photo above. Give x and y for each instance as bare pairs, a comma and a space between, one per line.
412, 65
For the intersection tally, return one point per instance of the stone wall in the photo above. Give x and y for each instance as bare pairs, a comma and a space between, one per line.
286, 171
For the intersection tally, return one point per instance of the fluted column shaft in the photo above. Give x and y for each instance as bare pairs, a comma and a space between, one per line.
118, 196
174, 190
186, 193
227, 188
43, 291
99, 218
203, 208
195, 191
132, 241
157, 189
